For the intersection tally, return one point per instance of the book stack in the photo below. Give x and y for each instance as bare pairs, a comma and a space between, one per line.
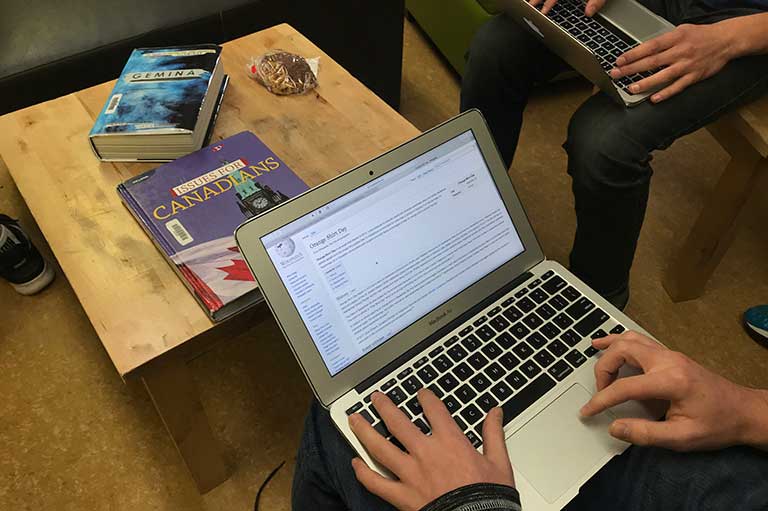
191, 207
163, 105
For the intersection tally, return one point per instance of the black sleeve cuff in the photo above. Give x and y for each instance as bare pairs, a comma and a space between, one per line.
488, 497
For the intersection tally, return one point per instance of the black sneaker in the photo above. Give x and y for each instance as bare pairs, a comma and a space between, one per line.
20, 262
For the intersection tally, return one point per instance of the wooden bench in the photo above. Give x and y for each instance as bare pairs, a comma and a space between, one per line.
744, 135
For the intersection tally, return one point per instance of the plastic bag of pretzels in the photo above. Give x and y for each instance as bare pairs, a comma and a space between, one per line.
284, 73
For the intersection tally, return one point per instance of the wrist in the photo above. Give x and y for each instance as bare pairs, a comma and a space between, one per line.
754, 431
744, 35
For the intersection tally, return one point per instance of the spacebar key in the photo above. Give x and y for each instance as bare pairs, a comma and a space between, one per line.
518, 403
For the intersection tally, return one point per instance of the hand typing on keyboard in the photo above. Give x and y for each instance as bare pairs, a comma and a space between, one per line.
686, 55
590, 8
433, 465
705, 412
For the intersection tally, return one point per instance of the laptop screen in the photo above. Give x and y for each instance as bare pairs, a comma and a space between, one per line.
370, 263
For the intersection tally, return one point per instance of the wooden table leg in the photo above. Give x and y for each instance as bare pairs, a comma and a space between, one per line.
174, 393
711, 235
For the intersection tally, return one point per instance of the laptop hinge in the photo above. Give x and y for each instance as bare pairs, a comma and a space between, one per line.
378, 375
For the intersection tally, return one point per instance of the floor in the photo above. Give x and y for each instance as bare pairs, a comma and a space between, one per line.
74, 436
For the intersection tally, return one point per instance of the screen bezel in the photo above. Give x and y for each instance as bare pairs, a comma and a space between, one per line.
328, 388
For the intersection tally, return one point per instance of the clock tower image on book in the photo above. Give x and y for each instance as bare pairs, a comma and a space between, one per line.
254, 198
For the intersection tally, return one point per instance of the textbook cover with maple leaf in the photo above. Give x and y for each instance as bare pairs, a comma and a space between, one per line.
191, 207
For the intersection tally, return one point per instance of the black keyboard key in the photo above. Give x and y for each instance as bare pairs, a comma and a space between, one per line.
460, 423
544, 358
473, 439
427, 373
435, 352
450, 342
414, 406
491, 350
521, 401
485, 333
501, 390
591, 322
412, 385
436, 390
480, 382
539, 296
368, 398
575, 358
563, 321
499, 323
354, 408
419, 423
526, 304
557, 348
465, 331
405, 372
599, 334
548, 274
516, 379
591, 351
545, 312
391, 383
532, 321
580, 307
521, 293
558, 302
523, 350
512, 314
570, 293
536, 340
509, 361
477, 360
463, 371
519, 330
494, 311
570, 338
452, 404
367, 416
479, 321
618, 329
420, 362
471, 414
494, 371
486, 402
508, 302
560, 370
530, 368
505, 340
381, 429
471, 343
465, 393
457, 353
442, 363
550, 330
534, 284
396, 395
554, 285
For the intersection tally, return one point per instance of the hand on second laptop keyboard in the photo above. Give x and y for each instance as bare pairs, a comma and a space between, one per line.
590, 8
433, 465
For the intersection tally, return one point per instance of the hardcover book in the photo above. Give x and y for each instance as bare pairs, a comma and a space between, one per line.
161, 105
192, 206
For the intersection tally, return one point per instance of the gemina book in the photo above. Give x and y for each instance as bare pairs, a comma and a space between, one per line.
161, 105
192, 206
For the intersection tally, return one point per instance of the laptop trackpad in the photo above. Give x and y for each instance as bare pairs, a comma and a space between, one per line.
555, 448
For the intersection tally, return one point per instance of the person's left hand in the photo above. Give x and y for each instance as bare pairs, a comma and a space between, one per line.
687, 54
434, 465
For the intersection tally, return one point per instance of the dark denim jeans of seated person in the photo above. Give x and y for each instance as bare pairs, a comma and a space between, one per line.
642, 479
609, 146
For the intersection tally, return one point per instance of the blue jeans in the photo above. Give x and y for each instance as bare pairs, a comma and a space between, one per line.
609, 146
642, 479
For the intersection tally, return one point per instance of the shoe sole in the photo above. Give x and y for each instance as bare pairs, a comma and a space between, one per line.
38, 283
758, 335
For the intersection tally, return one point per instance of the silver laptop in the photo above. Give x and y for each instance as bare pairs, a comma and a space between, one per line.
592, 45
420, 269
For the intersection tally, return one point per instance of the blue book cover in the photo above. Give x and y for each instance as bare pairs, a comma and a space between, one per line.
160, 90
191, 207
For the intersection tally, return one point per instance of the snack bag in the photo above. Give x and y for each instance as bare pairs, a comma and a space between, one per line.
284, 73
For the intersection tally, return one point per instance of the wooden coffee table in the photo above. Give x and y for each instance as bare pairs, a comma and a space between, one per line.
146, 319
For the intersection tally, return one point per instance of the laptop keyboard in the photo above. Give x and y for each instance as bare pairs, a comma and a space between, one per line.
607, 45
508, 357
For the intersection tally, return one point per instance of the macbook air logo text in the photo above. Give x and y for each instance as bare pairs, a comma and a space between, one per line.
439, 317
533, 27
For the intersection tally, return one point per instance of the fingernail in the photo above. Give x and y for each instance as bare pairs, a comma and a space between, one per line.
375, 396
584, 410
656, 98
620, 61
614, 73
353, 419
620, 430
634, 88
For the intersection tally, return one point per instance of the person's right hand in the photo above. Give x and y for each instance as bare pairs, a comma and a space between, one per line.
590, 9
706, 411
